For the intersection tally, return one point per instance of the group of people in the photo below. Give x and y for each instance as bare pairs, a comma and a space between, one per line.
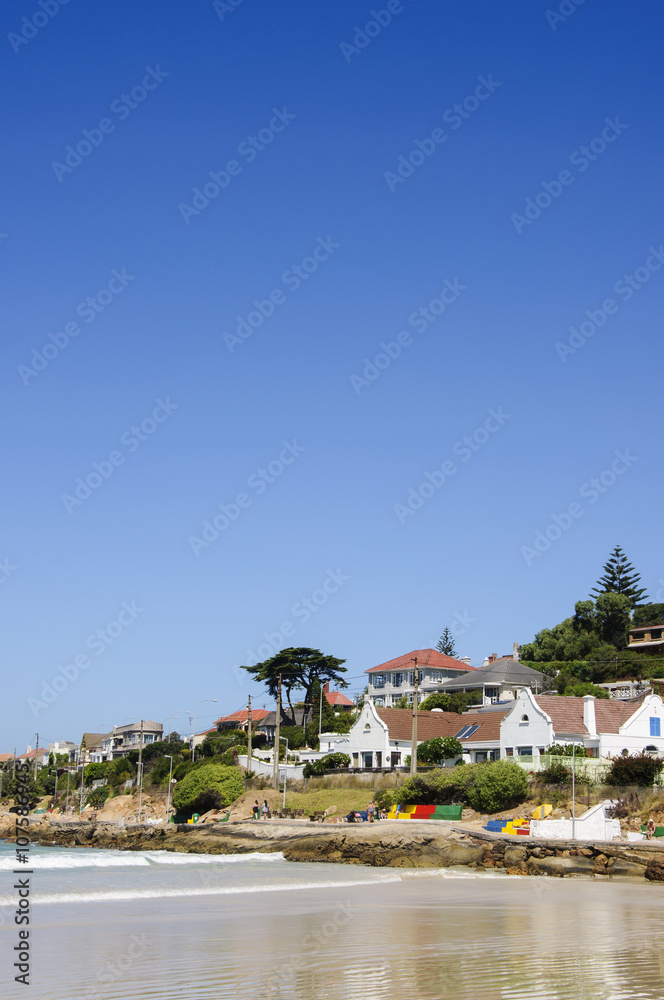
371, 814
263, 811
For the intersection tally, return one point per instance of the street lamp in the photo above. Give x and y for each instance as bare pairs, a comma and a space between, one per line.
168, 795
283, 807
193, 735
181, 712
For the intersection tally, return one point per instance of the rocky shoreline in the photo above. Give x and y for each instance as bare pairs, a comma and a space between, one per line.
390, 845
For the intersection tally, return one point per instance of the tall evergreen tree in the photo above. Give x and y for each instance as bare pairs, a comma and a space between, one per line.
620, 577
446, 644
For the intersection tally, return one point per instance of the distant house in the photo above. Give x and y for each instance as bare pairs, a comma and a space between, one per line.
240, 720
647, 639
336, 700
500, 680
62, 747
91, 750
131, 737
394, 679
39, 754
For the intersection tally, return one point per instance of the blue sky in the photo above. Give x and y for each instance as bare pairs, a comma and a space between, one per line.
525, 210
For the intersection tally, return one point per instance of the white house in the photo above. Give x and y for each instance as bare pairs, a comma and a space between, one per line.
393, 680
602, 727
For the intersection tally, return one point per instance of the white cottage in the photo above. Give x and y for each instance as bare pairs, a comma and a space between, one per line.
602, 727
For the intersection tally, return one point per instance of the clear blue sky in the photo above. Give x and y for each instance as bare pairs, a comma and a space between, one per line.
169, 93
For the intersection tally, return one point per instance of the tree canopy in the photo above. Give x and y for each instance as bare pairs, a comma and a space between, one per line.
620, 577
597, 629
456, 701
300, 668
446, 644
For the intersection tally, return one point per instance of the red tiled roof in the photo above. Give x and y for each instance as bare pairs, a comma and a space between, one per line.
566, 713
38, 752
399, 723
337, 698
5, 757
257, 715
425, 658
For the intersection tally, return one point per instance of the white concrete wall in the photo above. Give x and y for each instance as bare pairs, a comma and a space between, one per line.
294, 772
592, 825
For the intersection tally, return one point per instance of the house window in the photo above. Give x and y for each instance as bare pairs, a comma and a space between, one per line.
378, 680
492, 693
435, 676
524, 720
509, 751
655, 728
379, 702
368, 759
397, 680
525, 751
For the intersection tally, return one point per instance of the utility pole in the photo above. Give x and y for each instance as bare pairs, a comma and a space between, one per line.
34, 768
275, 752
14, 764
249, 733
413, 742
140, 773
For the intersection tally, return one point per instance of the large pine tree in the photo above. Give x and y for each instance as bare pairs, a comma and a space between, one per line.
620, 577
446, 644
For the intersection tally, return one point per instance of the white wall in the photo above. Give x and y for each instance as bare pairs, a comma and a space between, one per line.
592, 825
536, 732
635, 734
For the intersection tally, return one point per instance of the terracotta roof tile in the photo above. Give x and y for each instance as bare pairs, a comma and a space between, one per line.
425, 658
257, 715
566, 713
337, 698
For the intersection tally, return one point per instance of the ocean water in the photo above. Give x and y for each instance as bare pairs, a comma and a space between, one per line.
155, 925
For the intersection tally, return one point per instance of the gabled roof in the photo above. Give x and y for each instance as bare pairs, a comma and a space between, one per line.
503, 671
337, 698
425, 658
485, 726
93, 740
31, 754
566, 713
4, 757
257, 715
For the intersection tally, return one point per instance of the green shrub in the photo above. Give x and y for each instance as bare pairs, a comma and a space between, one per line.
556, 774
497, 785
385, 798
638, 769
486, 787
438, 749
208, 787
333, 762
98, 796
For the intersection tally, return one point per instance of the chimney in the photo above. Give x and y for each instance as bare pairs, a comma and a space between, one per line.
326, 688
493, 657
515, 651
465, 659
589, 714
485, 661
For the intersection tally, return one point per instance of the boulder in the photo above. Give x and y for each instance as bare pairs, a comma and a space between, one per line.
560, 866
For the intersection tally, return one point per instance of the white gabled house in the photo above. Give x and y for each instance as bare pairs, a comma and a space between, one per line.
604, 728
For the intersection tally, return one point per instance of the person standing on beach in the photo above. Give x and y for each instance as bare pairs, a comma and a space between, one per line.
371, 812
256, 810
265, 809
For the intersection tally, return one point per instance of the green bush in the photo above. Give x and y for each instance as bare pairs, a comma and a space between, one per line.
385, 798
438, 749
208, 787
497, 785
485, 787
638, 769
333, 762
98, 796
556, 774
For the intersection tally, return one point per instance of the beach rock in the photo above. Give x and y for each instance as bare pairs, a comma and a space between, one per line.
514, 856
560, 866
629, 869
655, 870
